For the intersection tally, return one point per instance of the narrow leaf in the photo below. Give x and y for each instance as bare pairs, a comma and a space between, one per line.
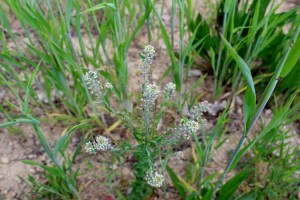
228, 190
249, 106
62, 140
181, 186
99, 6
240, 154
27, 95
292, 58
241, 64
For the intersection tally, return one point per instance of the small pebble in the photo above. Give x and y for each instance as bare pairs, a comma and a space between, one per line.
1, 177
5, 160
31, 156
126, 172
195, 72
114, 167
32, 170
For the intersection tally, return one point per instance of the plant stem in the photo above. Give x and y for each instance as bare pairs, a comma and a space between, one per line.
236, 151
203, 166
220, 55
16, 121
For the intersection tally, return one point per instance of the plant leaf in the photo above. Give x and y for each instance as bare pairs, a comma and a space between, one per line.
240, 154
292, 58
99, 6
249, 106
241, 64
61, 143
27, 95
179, 183
228, 190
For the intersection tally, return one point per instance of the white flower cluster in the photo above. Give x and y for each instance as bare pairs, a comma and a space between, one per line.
95, 86
192, 125
197, 110
179, 155
169, 90
108, 85
100, 144
150, 94
185, 129
147, 56
154, 179
89, 148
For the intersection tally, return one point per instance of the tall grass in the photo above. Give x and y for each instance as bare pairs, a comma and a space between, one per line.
252, 111
248, 46
50, 32
254, 29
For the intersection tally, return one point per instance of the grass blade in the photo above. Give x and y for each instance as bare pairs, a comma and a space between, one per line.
241, 64
292, 58
99, 6
63, 141
228, 190
26, 101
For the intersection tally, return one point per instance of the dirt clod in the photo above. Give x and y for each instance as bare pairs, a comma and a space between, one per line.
5, 160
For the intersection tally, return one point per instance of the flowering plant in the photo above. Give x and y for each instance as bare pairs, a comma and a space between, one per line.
150, 145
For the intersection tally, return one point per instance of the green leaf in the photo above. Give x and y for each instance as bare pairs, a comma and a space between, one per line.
27, 95
45, 144
68, 14
229, 4
99, 6
209, 194
52, 170
63, 140
179, 183
292, 58
240, 154
241, 64
228, 190
249, 106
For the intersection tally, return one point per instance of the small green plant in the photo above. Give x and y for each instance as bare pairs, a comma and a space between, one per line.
255, 29
252, 111
61, 178
276, 161
151, 145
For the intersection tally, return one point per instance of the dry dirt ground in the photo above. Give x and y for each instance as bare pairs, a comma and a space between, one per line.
23, 144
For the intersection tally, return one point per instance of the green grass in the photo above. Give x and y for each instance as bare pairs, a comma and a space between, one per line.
254, 31
251, 50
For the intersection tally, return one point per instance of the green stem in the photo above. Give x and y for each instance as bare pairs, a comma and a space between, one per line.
203, 166
220, 54
235, 153
17, 121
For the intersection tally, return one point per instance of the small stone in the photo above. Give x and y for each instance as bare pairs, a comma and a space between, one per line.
32, 170
195, 72
5, 160
126, 172
114, 167
1, 177
75, 140
31, 156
